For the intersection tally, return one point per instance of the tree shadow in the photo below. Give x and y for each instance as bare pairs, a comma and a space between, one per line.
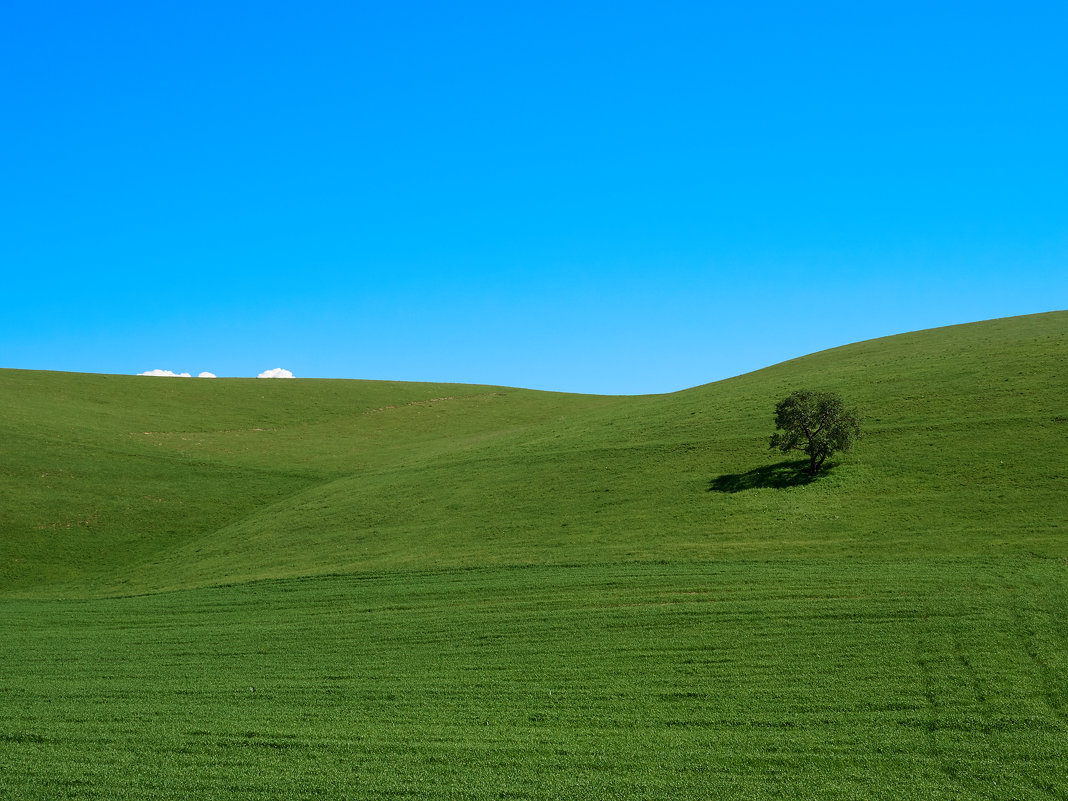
772, 476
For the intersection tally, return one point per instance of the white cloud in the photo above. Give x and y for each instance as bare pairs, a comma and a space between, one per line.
206, 375
277, 372
169, 373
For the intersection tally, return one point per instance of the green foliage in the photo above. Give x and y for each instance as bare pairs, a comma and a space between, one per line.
340, 589
816, 423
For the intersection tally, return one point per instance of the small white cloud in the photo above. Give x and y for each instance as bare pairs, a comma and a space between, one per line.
168, 373
206, 375
277, 372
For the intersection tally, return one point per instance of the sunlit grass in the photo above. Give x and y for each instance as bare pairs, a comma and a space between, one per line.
333, 589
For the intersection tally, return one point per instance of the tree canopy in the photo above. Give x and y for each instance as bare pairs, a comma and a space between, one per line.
816, 423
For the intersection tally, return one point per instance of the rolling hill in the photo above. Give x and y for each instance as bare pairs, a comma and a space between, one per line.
325, 588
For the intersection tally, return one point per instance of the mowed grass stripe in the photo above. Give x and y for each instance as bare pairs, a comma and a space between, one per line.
819, 679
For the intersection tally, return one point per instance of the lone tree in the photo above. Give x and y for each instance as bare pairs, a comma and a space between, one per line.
817, 423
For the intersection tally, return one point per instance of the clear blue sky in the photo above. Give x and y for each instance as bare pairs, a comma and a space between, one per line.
611, 197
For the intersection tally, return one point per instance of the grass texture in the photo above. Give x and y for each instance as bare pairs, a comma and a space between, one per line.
342, 589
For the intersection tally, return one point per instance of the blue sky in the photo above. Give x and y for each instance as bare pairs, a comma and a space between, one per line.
590, 197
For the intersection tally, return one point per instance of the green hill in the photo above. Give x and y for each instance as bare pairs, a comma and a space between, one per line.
312, 588
118, 484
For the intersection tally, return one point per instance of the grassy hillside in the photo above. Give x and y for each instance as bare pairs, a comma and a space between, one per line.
106, 476
118, 484
341, 589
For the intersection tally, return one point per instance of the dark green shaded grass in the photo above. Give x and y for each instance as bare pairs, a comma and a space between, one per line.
820, 679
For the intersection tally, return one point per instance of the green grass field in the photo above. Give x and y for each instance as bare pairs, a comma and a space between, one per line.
342, 589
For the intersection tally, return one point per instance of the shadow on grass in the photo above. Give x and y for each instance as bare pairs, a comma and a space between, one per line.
772, 476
